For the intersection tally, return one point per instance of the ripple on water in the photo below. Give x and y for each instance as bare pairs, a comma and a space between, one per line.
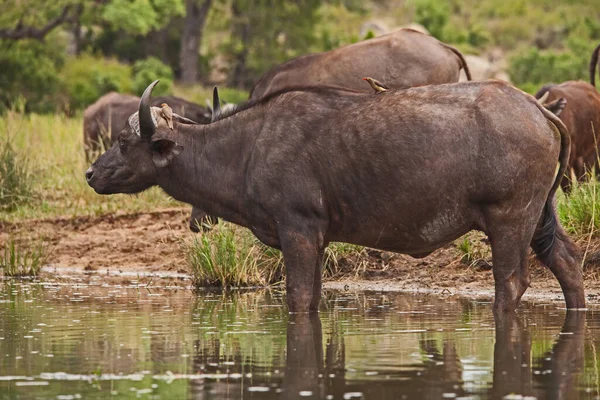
173, 344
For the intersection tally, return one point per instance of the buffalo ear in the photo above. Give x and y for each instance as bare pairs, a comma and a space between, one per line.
556, 106
164, 151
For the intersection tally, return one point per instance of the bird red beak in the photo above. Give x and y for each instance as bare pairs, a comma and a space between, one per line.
364, 79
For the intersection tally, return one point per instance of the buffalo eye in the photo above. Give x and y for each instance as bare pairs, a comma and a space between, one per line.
122, 144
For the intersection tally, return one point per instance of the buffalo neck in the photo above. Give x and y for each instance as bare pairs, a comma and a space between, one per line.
210, 172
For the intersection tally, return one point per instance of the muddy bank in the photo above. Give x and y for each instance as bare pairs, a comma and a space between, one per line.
146, 249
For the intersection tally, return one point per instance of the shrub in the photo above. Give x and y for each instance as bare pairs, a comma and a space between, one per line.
149, 70
533, 67
86, 78
29, 74
16, 178
433, 15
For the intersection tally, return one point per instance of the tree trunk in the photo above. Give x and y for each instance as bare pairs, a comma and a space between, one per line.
195, 18
241, 32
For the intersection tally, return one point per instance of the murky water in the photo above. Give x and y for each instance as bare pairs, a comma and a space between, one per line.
67, 342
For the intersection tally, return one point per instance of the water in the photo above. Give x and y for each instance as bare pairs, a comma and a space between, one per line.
70, 342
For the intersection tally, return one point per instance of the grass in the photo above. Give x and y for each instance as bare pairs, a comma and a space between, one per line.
22, 259
472, 250
580, 211
229, 256
52, 146
16, 177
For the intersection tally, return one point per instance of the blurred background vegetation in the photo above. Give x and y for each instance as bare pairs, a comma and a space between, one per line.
62, 55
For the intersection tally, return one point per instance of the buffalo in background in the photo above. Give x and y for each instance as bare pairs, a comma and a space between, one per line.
401, 59
581, 116
103, 120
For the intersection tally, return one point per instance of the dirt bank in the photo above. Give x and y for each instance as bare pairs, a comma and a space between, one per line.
146, 247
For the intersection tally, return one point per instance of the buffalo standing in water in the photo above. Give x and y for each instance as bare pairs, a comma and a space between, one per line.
581, 116
401, 59
405, 171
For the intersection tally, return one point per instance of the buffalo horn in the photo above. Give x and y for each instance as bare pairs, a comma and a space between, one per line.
147, 126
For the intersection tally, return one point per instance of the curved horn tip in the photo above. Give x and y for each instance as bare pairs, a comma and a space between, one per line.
147, 127
150, 88
543, 99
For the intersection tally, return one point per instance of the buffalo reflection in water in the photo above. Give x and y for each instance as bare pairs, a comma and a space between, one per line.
314, 372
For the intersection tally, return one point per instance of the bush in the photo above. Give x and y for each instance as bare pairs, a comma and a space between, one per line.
29, 74
16, 179
147, 71
86, 78
433, 15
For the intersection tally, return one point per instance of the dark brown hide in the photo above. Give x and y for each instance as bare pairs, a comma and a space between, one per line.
401, 59
405, 171
581, 116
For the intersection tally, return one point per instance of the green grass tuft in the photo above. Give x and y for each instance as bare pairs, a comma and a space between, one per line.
16, 177
579, 212
22, 259
229, 256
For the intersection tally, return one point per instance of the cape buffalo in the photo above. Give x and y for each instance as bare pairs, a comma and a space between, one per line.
401, 59
103, 120
581, 116
405, 171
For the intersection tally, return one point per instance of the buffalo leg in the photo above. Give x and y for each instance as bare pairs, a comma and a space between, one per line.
511, 273
565, 264
303, 256
318, 282
510, 237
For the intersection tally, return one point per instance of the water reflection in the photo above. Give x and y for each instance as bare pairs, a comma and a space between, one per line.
549, 376
95, 342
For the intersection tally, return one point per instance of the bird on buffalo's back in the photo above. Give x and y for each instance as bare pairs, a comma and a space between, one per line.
167, 113
377, 86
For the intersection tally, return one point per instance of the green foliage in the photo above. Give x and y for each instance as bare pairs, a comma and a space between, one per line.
29, 72
22, 259
149, 70
268, 33
16, 179
141, 16
235, 96
433, 15
580, 211
86, 78
538, 67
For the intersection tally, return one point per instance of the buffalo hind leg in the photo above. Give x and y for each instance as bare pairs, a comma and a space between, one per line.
303, 257
556, 251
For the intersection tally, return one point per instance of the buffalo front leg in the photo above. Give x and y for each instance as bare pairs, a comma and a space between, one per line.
303, 256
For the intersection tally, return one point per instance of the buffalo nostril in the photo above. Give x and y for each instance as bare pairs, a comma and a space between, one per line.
89, 173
